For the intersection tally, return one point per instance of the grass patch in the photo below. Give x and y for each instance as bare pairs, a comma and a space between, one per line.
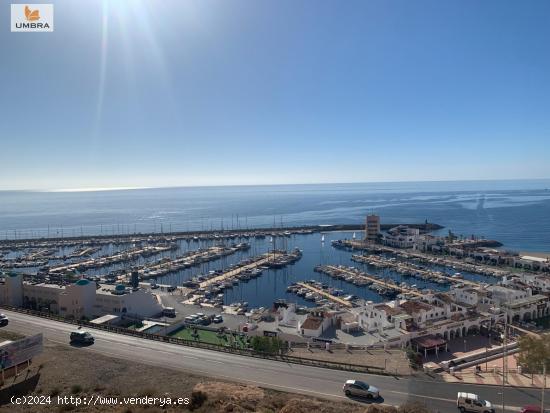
10, 335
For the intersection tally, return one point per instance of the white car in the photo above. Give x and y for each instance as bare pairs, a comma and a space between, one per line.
469, 402
4, 320
360, 389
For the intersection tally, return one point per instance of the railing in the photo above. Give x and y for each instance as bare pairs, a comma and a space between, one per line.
206, 346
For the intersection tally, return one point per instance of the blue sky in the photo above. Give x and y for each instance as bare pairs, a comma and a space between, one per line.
167, 93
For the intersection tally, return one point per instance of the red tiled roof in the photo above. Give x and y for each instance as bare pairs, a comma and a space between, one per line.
412, 307
312, 323
430, 341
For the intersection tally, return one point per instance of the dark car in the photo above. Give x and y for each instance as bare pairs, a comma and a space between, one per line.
4, 320
81, 337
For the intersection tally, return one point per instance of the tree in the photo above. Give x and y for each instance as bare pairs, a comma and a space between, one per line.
534, 353
266, 344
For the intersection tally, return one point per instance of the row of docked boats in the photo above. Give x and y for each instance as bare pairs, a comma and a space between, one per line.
319, 299
408, 269
167, 265
281, 258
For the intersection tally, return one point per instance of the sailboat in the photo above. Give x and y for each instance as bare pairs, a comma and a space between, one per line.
323, 238
353, 236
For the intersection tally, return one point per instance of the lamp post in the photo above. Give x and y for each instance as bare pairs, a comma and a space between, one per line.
543, 387
504, 358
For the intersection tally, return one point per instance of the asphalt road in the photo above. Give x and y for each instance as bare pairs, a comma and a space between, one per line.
318, 382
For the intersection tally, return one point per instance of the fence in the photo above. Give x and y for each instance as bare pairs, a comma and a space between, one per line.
207, 346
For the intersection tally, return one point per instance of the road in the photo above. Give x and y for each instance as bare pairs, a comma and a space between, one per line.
318, 382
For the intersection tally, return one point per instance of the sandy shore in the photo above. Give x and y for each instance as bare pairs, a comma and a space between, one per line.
536, 254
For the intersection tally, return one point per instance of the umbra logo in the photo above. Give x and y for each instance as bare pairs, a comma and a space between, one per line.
32, 17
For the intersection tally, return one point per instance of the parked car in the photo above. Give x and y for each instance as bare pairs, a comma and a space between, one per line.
469, 402
4, 320
81, 337
360, 389
169, 312
531, 409
218, 319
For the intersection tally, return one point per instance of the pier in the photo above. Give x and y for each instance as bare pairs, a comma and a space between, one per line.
374, 280
423, 257
405, 268
325, 294
190, 259
257, 262
127, 255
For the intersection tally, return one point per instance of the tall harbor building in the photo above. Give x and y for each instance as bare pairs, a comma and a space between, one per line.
372, 228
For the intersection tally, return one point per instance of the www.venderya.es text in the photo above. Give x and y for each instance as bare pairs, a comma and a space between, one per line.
98, 400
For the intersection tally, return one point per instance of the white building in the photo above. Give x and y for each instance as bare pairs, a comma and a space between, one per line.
518, 304
315, 324
81, 299
401, 236
405, 320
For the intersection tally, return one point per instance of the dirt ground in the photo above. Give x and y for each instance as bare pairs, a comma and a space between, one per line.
393, 361
66, 371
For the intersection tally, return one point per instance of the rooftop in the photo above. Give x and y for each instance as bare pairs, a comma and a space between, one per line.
412, 307
312, 323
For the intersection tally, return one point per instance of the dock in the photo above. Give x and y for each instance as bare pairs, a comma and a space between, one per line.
328, 296
190, 259
377, 281
403, 267
127, 255
258, 262
447, 261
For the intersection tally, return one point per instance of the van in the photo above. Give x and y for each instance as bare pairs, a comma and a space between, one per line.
169, 312
469, 402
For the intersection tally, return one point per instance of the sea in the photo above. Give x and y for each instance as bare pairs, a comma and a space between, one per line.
516, 213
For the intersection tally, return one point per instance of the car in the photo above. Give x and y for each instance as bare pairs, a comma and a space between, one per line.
81, 337
4, 320
469, 402
168, 312
531, 409
204, 320
360, 389
218, 319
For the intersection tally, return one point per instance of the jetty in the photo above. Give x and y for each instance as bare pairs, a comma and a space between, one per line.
168, 265
411, 270
259, 261
388, 284
325, 294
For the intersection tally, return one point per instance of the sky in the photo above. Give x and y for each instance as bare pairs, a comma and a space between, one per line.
169, 93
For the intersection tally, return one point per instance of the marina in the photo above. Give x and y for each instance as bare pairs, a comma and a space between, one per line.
244, 265
412, 270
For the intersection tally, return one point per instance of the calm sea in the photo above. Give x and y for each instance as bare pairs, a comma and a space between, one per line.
517, 213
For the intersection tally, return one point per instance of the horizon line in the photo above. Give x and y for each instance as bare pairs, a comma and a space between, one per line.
132, 188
